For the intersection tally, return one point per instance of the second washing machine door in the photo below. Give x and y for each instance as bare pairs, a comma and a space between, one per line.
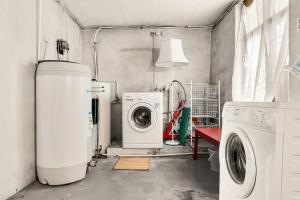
142, 117
236, 153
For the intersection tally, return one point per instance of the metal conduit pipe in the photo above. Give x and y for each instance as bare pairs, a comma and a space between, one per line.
156, 155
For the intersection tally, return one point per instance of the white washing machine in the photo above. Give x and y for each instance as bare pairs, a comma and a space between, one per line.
142, 120
260, 152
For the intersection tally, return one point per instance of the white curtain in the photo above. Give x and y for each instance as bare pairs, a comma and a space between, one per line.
261, 51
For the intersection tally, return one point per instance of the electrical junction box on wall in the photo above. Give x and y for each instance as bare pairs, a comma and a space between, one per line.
62, 46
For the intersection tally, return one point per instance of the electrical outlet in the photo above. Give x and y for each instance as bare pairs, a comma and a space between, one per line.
298, 24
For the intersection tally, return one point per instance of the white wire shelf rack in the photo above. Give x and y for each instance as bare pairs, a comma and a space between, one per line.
204, 101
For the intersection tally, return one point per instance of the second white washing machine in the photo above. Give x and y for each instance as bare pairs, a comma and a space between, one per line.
142, 120
259, 152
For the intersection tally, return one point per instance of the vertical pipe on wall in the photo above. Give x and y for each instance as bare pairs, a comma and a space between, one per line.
191, 105
288, 86
153, 34
96, 64
95, 61
219, 92
38, 29
38, 48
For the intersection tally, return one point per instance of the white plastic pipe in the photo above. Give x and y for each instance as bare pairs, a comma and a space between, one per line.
38, 29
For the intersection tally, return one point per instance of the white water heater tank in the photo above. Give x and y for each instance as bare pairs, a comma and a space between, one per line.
64, 124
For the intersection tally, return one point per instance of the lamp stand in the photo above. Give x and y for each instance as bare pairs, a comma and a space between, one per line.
172, 142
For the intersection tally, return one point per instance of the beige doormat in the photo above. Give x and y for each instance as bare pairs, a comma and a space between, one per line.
133, 163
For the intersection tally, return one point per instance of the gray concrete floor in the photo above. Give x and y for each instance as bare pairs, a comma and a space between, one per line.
115, 148
168, 179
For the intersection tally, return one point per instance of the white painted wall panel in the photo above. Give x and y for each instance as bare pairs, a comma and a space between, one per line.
18, 57
18, 54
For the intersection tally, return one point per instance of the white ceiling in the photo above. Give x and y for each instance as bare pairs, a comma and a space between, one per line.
147, 12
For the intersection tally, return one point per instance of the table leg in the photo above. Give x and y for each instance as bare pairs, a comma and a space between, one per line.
195, 148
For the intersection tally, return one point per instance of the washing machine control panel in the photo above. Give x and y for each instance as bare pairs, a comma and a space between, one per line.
265, 117
260, 117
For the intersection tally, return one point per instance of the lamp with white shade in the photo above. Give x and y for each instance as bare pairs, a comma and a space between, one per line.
171, 56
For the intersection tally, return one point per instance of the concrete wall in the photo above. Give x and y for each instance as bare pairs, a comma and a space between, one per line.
222, 55
223, 49
18, 57
126, 56
294, 49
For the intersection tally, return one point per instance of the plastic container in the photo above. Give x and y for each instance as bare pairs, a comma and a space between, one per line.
214, 160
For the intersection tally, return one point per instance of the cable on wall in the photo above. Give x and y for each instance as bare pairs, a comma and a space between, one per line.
45, 49
67, 38
60, 17
62, 43
153, 34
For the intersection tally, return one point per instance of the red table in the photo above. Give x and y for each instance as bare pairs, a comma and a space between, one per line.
212, 135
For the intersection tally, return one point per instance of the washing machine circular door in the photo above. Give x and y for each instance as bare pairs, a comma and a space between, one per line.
237, 155
142, 117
